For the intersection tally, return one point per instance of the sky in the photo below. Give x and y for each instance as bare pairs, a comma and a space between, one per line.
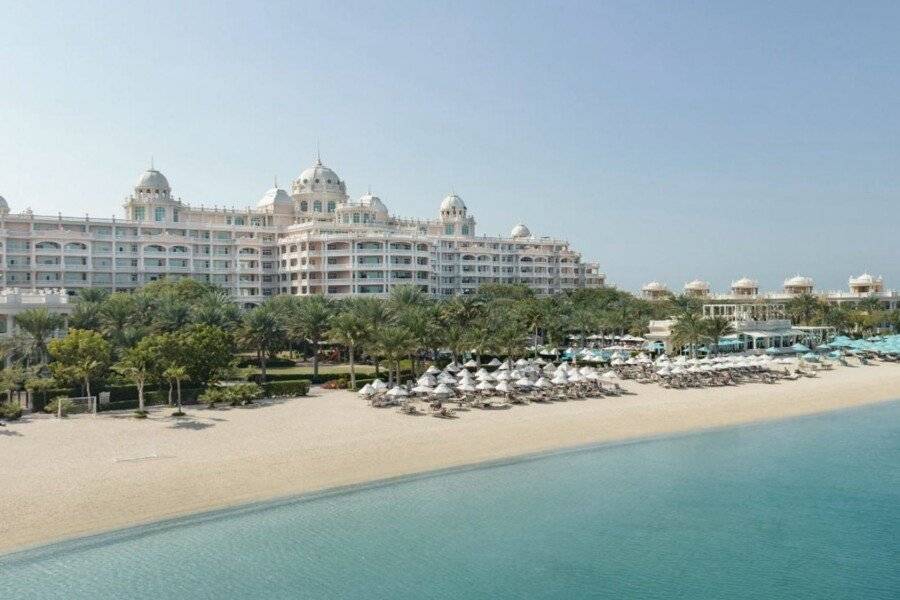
667, 141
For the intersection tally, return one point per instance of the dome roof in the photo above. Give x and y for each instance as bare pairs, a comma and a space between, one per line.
520, 231
654, 286
452, 201
798, 281
865, 279
745, 282
152, 179
319, 174
275, 196
697, 284
373, 202
4, 207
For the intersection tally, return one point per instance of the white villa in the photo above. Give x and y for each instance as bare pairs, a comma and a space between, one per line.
313, 240
746, 291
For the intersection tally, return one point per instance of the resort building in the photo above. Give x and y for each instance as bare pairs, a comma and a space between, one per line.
745, 292
313, 240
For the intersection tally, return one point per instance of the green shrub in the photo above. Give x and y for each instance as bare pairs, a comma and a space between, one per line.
213, 395
40, 399
297, 387
250, 361
53, 406
10, 411
236, 395
243, 393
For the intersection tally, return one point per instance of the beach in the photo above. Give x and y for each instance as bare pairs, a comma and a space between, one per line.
88, 474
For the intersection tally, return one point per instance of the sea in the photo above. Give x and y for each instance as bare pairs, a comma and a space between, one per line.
807, 508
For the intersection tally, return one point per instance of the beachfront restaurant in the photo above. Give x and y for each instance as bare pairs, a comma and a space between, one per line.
776, 333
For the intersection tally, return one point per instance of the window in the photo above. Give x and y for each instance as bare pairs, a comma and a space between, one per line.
175, 215
159, 214
331, 205
448, 229
465, 230
304, 206
317, 205
139, 213
356, 217
239, 220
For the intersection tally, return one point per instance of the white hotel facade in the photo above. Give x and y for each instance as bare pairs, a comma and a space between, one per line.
313, 240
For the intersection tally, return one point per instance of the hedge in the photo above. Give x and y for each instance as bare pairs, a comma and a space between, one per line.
41, 399
296, 387
250, 361
154, 397
321, 377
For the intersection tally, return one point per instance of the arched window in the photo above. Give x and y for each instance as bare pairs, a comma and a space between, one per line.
331, 206
317, 205
304, 206
46, 246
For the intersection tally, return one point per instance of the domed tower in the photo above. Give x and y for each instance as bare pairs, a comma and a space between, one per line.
696, 288
318, 192
454, 218
276, 201
798, 285
745, 287
4, 207
520, 231
152, 199
374, 204
654, 291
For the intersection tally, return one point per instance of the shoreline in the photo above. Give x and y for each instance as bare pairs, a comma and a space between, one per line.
121, 473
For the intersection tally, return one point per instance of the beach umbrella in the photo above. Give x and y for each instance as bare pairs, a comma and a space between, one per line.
397, 392
810, 357
540, 361
503, 376
617, 362
524, 382
463, 375
442, 390
542, 382
504, 387
446, 379
503, 367
466, 387
471, 364
610, 375
366, 390
378, 385
432, 370
664, 371
484, 386
427, 380
560, 379
452, 367
521, 362
576, 378
515, 374
481, 371
800, 348
495, 362
423, 389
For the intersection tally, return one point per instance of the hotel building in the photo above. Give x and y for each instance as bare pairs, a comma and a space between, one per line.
313, 240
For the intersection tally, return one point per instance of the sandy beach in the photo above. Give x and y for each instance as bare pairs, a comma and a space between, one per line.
86, 474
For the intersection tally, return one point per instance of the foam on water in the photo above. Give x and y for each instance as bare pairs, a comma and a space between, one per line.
807, 508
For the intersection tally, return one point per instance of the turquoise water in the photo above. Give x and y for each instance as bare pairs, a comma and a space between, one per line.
807, 508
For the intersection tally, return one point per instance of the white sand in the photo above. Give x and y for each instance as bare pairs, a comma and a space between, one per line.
85, 474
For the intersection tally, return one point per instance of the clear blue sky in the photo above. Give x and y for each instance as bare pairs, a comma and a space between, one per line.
666, 140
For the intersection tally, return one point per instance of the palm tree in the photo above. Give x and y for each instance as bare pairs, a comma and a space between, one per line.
176, 374
375, 315
716, 329
688, 330
39, 324
117, 313
262, 332
349, 329
533, 313
804, 308
311, 322
683, 304
393, 344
